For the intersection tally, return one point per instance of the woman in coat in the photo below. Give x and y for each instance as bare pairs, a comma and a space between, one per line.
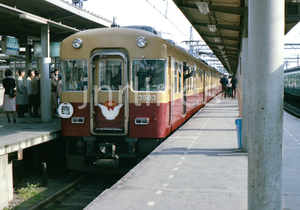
22, 96
9, 103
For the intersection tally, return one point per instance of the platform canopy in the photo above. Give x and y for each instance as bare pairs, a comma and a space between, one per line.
223, 23
23, 19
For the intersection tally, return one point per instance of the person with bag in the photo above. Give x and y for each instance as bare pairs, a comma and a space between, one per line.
224, 82
9, 100
22, 96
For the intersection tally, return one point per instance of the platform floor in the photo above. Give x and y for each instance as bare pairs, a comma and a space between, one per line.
26, 132
197, 167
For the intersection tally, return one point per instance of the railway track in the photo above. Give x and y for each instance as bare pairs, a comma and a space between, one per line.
78, 194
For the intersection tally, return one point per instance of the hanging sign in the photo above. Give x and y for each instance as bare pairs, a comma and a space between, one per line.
10, 46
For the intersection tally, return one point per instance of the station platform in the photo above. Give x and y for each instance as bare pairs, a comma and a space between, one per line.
14, 138
26, 132
198, 167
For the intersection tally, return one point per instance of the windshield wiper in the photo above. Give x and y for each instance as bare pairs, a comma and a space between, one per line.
139, 61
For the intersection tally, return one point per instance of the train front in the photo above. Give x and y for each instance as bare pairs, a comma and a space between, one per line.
114, 102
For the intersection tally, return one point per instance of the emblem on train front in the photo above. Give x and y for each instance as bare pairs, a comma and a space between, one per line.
110, 109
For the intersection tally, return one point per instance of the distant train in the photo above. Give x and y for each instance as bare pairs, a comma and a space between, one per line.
124, 91
292, 84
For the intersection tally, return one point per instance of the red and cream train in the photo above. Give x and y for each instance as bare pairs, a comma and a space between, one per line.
124, 91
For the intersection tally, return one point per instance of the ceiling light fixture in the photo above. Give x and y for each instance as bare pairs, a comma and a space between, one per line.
220, 47
33, 18
203, 8
217, 39
212, 28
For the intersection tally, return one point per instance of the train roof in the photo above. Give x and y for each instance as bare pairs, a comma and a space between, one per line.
144, 28
292, 69
129, 31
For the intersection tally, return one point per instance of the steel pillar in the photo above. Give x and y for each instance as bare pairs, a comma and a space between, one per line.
266, 62
45, 75
246, 95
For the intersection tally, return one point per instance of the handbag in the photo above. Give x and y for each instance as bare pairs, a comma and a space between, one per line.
12, 92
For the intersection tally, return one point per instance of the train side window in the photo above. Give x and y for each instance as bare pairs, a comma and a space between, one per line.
297, 80
199, 79
176, 77
149, 75
75, 75
110, 74
180, 76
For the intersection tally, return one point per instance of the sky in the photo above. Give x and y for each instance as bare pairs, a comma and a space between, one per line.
292, 37
142, 12
164, 16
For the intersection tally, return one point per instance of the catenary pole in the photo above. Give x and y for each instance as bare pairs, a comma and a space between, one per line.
266, 61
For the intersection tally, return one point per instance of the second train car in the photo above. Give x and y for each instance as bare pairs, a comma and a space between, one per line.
124, 91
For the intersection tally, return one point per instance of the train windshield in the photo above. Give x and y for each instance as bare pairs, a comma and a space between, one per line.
75, 75
149, 75
110, 74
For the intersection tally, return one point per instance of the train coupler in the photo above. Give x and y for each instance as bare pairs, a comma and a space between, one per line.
107, 156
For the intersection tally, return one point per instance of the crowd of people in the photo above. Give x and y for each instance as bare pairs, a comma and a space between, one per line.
23, 95
229, 86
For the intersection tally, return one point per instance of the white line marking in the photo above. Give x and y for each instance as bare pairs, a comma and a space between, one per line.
165, 184
175, 169
179, 163
151, 203
171, 176
180, 137
158, 192
182, 158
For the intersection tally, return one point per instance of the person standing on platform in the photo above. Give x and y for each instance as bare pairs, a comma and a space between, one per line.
59, 88
234, 82
22, 97
35, 85
229, 89
56, 73
30, 74
54, 83
9, 103
224, 82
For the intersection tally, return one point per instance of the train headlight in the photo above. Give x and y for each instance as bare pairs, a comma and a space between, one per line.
77, 43
141, 42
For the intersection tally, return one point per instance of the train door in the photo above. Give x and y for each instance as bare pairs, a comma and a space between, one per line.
109, 98
204, 86
171, 89
184, 89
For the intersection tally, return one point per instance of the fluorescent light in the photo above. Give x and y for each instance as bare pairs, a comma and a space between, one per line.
222, 52
217, 39
220, 47
33, 18
224, 56
212, 28
203, 7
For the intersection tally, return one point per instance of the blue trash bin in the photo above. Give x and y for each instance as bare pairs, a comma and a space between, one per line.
238, 123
